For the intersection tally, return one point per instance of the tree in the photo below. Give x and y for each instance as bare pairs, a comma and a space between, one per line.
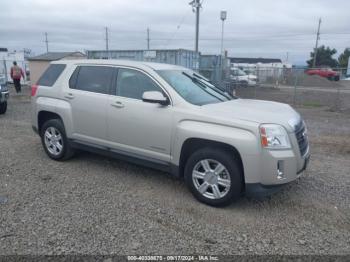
324, 57
344, 58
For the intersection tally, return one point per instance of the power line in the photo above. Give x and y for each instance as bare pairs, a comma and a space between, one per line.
177, 28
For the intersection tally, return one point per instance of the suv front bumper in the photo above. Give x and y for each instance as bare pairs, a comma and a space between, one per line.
262, 190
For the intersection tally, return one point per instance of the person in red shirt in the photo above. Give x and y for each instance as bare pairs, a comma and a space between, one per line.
16, 74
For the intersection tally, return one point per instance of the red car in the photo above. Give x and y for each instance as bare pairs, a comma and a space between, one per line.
324, 72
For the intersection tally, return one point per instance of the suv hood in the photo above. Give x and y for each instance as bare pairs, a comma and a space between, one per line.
258, 111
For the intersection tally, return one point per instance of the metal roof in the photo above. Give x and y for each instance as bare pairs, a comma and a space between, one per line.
119, 62
52, 56
254, 60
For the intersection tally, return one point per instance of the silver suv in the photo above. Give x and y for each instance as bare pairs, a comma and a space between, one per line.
173, 119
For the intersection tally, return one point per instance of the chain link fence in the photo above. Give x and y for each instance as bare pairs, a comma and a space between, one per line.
316, 88
5, 68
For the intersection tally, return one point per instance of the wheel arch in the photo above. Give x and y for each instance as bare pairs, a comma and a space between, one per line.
44, 116
191, 145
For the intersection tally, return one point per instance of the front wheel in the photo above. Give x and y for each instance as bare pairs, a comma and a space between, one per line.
54, 140
3, 107
214, 176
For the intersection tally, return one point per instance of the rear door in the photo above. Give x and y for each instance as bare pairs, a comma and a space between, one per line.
88, 91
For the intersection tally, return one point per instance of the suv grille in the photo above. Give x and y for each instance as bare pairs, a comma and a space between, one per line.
300, 133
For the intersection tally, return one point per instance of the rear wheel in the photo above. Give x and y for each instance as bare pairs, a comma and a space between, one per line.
214, 176
3, 107
54, 140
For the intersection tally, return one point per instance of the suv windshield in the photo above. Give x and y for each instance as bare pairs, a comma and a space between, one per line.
194, 88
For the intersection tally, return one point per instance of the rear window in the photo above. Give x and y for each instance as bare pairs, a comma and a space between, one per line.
51, 74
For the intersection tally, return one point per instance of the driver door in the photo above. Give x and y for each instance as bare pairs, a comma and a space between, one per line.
137, 127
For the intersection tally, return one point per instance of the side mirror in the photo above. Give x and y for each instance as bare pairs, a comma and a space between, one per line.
155, 97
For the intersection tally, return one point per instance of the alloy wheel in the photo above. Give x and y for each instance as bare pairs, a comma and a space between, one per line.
53, 141
211, 178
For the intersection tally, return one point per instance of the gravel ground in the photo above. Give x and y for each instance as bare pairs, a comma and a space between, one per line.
96, 205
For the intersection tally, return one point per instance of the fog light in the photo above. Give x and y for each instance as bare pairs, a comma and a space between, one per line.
280, 170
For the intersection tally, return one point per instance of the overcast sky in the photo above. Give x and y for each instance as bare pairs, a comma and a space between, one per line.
254, 28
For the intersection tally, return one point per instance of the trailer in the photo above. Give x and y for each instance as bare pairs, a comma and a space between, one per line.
6, 62
182, 57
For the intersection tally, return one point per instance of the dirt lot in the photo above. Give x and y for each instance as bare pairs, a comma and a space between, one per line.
330, 98
95, 205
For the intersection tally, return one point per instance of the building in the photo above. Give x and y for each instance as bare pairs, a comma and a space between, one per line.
266, 69
250, 61
38, 64
182, 57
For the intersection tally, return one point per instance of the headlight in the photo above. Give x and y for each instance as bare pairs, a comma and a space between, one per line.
274, 136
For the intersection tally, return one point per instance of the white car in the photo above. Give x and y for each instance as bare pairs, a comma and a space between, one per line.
239, 75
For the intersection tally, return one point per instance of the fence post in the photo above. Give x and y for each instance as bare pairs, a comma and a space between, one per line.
295, 87
337, 100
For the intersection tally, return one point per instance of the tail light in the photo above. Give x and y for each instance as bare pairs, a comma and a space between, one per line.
34, 89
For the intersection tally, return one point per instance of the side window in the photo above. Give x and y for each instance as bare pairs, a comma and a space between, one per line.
95, 79
73, 78
132, 84
51, 74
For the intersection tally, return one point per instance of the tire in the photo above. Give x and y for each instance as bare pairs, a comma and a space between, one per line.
57, 147
3, 107
196, 176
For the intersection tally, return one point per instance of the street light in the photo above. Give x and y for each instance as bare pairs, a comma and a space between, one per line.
223, 15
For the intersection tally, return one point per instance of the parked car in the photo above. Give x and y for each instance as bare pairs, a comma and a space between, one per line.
241, 76
170, 118
324, 72
4, 94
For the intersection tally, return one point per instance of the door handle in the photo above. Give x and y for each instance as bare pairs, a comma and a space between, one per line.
69, 96
118, 104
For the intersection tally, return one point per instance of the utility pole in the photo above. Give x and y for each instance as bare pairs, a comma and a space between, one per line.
106, 29
317, 38
196, 5
148, 38
47, 43
223, 15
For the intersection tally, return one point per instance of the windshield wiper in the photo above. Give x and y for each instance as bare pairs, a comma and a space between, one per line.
201, 84
206, 80
201, 77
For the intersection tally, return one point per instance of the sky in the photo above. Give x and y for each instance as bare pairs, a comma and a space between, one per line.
253, 28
